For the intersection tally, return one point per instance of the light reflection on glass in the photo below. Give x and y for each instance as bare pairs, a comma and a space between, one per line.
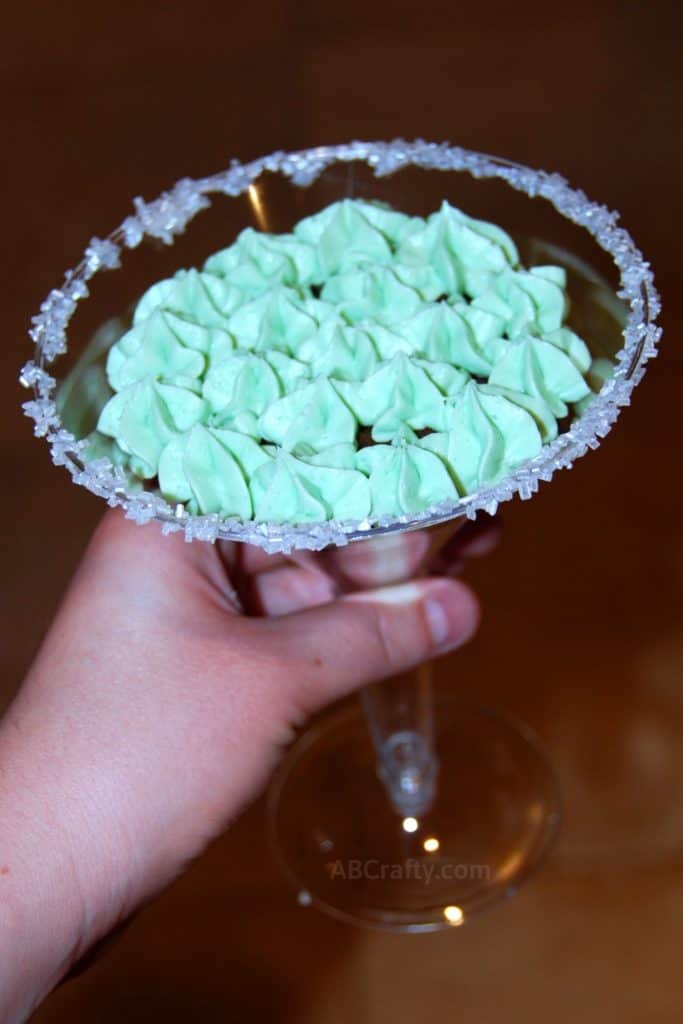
454, 915
431, 845
257, 207
410, 824
512, 864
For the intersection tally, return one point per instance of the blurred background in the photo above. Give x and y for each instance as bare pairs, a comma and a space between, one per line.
582, 631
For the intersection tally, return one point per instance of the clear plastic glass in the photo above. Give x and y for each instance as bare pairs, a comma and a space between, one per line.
361, 799
196, 217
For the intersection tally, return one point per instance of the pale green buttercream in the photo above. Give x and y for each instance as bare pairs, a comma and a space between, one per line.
275, 320
487, 435
344, 238
467, 254
399, 393
203, 298
242, 382
287, 489
250, 382
337, 456
540, 368
208, 470
258, 261
526, 301
354, 231
370, 292
145, 416
314, 415
163, 346
339, 350
404, 478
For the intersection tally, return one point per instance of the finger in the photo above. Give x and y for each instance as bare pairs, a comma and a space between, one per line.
289, 589
361, 638
151, 569
379, 561
168, 566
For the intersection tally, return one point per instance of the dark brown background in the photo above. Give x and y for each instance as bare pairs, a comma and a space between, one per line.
582, 633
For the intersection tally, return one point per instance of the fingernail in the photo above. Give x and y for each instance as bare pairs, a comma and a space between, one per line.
398, 593
452, 615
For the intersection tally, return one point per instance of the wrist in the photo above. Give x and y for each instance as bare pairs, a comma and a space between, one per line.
56, 893
41, 909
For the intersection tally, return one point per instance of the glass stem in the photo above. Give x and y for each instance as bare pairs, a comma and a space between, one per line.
400, 711
400, 717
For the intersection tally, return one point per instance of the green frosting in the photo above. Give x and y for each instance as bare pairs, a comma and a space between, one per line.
536, 406
404, 478
163, 346
287, 489
540, 368
314, 415
242, 382
487, 435
258, 261
466, 254
370, 292
337, 456
442, 334
203, 298
208, 470
275, 320
577, 349
343, 238
351, 232
531, 301
368, 362
400, 393
386, 340
145, 416
423, 279
448, 379
247, 382
339, 350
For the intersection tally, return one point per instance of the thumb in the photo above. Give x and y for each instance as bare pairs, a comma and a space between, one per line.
367, 636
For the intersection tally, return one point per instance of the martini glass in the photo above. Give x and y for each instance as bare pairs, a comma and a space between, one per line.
406, 811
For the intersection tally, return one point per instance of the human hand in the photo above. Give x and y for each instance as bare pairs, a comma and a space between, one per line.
172, 679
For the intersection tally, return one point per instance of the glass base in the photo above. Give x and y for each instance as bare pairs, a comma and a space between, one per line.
351, 854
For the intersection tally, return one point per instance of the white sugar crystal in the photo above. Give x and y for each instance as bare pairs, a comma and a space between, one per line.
189, 199
101, 254
527, 487
65, 447
44, 414
133, 232
74, 290
202, 528
234, 181
170, 527
35, 377
143, 507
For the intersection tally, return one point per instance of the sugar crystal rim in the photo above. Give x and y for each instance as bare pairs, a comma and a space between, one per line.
167, 216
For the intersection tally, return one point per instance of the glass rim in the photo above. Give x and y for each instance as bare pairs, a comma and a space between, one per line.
168, 215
